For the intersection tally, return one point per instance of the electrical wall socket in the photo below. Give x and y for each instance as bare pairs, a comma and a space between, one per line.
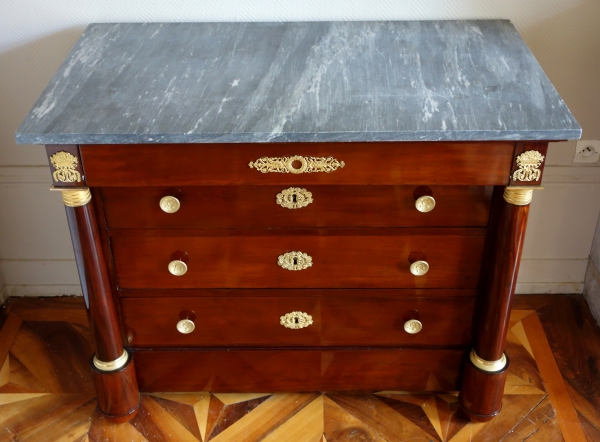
587, 151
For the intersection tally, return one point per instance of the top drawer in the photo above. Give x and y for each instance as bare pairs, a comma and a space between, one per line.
476, 163
222, 207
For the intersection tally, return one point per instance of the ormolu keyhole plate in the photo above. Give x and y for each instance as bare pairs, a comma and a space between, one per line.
294, 198
294, 261
296, 320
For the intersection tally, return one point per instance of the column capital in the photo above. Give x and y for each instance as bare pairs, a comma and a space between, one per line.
519, 195
74, 197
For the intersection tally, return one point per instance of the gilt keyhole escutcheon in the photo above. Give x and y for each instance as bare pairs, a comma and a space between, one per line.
294, 261
294, 198
296, 320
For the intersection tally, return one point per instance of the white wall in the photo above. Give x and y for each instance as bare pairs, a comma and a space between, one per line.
36, 35
561, 225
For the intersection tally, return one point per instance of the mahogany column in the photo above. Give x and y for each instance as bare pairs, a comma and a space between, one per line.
485, 371
114, 375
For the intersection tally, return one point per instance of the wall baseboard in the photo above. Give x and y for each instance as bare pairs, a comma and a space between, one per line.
591, 291
569, 176
541, 288
59, 277
553, 175
25, 175
537, 275
3, 295
39, 272
19, 291
48, 277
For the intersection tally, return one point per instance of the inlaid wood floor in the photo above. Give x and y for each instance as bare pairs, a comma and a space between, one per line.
46, 391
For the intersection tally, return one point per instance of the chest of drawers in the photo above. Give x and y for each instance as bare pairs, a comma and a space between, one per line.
272, 207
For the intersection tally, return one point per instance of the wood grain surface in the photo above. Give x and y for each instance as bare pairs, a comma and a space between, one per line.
296, 293
481, 391
33, 406
373, 258
557, 391
500, 271
218, 207
237, 322
419, 163
574, 339
248, 370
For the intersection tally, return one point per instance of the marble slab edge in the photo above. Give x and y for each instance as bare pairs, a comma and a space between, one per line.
504, 135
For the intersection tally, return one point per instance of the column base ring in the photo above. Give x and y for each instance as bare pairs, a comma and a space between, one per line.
118, 363
488, 366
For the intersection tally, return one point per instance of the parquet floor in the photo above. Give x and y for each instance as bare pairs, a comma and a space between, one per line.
46, 391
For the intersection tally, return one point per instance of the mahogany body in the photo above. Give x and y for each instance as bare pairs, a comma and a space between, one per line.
94, 280
284, 369
465, 163
362, 231
507, 234
481, 396
227, 207
117, 391
378, 258
252, 322
481, 393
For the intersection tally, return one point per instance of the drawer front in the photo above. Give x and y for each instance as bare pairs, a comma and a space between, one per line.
382, 321
235, 322
344, 259
311, 206
219, 322
297, 293
470, 163
232, 370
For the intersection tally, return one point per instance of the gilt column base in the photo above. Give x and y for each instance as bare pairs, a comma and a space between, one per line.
480, 397
118, 396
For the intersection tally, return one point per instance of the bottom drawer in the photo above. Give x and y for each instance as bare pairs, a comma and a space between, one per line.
336, 321
232, 370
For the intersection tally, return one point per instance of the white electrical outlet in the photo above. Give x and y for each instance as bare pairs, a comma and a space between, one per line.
587, 151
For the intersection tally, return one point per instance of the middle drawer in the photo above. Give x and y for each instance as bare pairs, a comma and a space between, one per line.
315, 258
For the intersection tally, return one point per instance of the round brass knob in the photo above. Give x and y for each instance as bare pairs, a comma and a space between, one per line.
413, 326
169, 204
185, 326
419, 268
177, 267
425, 203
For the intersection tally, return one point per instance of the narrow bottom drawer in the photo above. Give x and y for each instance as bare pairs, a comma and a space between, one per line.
334, 321
232, 370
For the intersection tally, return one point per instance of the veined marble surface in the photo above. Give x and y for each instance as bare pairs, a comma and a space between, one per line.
311, 81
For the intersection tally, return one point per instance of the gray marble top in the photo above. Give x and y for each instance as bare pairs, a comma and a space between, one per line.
312, 81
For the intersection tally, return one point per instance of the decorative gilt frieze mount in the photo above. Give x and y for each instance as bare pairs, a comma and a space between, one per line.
529, 166
296, 164
65, 165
